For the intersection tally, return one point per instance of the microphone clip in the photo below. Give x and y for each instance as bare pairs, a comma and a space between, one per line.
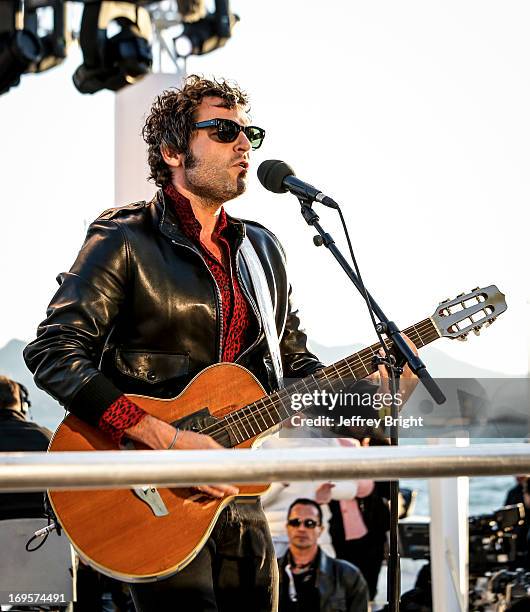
377, 360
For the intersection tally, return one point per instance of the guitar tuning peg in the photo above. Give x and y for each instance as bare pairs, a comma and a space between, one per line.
489, 321
475, 289
476, 330
460, 295
444, 301
463, 337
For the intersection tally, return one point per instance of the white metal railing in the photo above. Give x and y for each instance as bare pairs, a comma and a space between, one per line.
123, 469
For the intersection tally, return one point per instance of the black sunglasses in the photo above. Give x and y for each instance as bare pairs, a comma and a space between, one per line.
228, 131
307, 523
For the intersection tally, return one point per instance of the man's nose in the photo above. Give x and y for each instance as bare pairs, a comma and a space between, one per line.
242, 142
302, 527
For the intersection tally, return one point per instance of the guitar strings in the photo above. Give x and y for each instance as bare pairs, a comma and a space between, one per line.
271, 401
425, 332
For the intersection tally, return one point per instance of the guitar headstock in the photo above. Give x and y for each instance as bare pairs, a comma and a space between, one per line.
469, 312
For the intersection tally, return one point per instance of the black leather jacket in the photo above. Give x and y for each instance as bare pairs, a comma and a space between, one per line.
341, 585
139, 312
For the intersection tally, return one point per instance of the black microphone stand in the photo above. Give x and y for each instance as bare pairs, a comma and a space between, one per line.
406, 356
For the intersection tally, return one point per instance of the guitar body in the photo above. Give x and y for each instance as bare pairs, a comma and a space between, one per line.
118, 534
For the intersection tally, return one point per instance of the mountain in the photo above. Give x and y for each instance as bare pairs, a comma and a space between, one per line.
44, 410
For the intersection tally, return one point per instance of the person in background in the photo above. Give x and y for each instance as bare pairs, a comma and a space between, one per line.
280, 495
310, 580
19, 434
358, 526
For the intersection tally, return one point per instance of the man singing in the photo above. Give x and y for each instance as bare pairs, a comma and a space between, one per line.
158, 292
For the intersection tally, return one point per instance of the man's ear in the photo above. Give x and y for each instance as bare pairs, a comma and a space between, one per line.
172, 159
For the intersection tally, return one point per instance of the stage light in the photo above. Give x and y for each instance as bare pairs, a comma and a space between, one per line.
19, 50
54, 40
115, 38
112, 61
191, 10
206, 34
25, 46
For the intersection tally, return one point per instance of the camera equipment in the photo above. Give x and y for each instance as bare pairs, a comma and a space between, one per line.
491, 538
492, 541
502, 590
492, 551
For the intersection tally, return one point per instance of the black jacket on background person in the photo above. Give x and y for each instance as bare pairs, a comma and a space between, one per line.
139, 312
17, 434
340, 584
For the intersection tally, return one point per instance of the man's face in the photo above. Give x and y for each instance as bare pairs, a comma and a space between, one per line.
302, 536
213, 170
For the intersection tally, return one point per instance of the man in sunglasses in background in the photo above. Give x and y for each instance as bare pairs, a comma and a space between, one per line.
310, 580
160, 291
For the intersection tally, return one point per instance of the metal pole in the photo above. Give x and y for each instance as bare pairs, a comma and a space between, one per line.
119, 469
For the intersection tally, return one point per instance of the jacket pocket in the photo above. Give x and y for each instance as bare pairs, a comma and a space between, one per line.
152, 367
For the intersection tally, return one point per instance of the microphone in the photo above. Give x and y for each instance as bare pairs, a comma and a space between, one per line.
279, 177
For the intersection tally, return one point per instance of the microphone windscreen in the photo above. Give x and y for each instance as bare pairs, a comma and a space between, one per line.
271, 174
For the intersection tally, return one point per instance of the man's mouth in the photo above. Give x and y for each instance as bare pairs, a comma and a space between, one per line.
243, 164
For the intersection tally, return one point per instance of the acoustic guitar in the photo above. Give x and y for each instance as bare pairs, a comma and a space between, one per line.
147, 533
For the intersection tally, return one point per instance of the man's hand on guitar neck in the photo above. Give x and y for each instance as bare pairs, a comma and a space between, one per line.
159, 435
409, 380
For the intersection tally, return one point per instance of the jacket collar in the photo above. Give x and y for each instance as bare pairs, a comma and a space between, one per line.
11, 414
324, 562
169, 223
325, 579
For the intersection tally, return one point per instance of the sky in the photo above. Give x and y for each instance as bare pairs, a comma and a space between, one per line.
412, 115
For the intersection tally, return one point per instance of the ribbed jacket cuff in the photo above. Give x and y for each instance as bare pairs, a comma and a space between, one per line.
119, 416
93, 399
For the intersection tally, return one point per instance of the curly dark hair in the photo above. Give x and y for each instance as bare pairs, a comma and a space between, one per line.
8, 392
171, 118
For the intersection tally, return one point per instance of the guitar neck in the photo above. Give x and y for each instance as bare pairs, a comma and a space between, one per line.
269, 411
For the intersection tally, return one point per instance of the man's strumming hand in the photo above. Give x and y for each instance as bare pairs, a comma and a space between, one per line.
160, 435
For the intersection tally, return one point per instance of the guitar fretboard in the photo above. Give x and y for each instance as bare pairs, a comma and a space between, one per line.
269, 411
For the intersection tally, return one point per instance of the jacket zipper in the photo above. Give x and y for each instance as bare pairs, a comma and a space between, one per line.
218, 300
